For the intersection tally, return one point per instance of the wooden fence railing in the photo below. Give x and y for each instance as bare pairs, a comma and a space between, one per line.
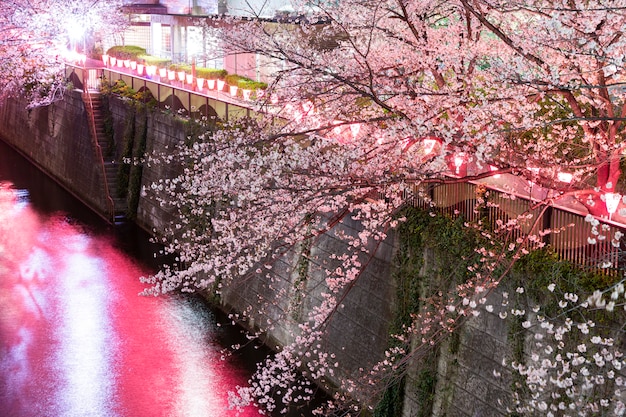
571, 236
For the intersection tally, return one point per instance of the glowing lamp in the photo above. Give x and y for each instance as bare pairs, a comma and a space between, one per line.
428, 145
355, 128
458, 161
565, 177
612, 201
337, 130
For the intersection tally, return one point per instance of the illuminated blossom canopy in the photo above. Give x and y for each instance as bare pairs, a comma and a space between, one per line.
371, 100
36, 35
507, 82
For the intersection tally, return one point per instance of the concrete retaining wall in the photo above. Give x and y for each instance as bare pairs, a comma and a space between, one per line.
57, 139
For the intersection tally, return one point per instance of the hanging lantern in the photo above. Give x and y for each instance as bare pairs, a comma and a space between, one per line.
566, 177
612, 201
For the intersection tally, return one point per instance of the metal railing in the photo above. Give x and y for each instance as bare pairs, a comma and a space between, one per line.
98, 152
172, 95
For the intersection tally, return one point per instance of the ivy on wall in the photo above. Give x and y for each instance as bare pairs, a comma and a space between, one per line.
418, 276
433, 253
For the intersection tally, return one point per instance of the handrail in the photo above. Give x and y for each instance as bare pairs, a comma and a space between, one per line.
229, 104
98, 149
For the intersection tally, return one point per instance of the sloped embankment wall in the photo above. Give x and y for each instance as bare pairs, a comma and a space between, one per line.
56, 138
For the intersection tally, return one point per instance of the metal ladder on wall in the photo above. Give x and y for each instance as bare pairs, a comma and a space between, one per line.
116, 207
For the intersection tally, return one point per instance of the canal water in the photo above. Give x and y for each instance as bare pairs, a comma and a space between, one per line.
76, 339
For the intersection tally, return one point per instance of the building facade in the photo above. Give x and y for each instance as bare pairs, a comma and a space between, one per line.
188, 31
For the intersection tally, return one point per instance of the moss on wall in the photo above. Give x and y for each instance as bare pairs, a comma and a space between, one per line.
418, 277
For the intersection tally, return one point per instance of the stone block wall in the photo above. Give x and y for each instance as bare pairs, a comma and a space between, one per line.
357, 333
57, 139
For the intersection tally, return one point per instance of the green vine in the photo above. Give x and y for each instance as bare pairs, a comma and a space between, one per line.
302, 269
138, 154
452, 245
128, 137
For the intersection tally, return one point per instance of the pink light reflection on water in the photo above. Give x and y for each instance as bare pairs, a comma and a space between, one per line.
77, 340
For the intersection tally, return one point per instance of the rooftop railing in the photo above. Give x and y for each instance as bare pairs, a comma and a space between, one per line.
185, 96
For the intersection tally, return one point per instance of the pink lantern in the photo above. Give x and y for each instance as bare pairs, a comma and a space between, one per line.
355, 128
458, 161
564, 177
612, 201
428, 145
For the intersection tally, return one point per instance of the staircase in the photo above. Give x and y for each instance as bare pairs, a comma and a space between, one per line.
116, 206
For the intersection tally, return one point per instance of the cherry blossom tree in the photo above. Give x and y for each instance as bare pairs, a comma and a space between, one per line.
373, 101
35, 37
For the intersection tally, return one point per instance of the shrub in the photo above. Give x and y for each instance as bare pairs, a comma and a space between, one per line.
153, 60
126, 52
211, 73
180, 67
248, 84
136, 53
244, 82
